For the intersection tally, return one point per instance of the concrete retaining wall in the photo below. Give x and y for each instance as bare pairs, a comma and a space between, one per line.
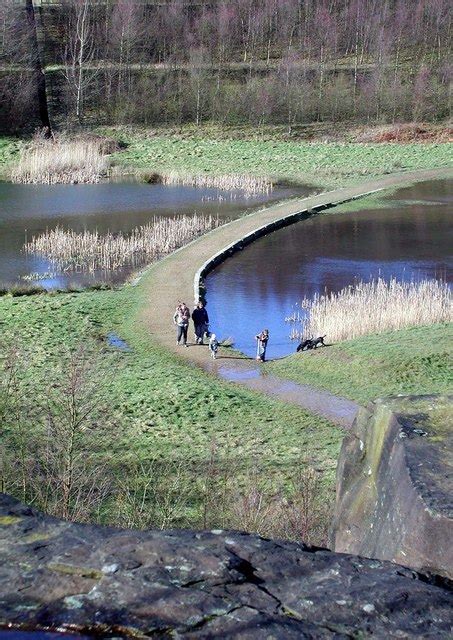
260, 232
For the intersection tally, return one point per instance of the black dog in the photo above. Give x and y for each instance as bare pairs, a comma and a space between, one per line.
311, 343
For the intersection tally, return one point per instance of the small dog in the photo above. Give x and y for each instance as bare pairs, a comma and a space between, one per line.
311, 343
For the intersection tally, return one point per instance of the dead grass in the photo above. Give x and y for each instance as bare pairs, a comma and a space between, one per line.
61, 162
374, 307
233, 182
89, 251
406, 132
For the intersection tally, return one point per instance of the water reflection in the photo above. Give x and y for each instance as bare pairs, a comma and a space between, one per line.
27, 210
260, 286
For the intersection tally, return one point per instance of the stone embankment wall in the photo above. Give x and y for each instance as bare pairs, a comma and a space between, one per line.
395, 484
105, 582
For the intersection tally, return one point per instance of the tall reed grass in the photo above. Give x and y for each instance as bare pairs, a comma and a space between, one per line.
90, 251
251, 185
373, 307
61, 162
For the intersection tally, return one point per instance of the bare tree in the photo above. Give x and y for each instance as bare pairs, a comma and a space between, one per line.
79, 50
198, 63
23, 96
127, 34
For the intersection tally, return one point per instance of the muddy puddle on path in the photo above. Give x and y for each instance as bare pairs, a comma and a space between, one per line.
28, 210
254, 376
410, 238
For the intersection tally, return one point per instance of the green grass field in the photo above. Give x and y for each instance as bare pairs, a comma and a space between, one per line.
412, 361
9, 150
210, 150
323, 164
157, 408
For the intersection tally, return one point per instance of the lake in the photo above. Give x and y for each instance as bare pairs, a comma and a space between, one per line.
28, 210
261, 285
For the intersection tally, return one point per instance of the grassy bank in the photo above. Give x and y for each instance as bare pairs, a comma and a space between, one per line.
190, 153
161, 424
9, 153
332, 164
411, 361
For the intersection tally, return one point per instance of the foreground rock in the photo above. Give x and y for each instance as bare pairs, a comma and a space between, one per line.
395, 484
96, 580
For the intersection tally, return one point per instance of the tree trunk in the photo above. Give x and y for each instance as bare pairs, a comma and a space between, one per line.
39, 74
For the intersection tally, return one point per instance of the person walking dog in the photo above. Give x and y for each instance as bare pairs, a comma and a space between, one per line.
201, 321
181, 320
261, 346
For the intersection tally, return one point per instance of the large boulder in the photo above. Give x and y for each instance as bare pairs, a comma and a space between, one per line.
395, 484
184, 584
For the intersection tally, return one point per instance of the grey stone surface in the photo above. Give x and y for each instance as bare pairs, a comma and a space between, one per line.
395, 484
186, 584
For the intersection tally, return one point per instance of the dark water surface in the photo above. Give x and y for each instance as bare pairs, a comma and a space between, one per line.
27, 210
261, 285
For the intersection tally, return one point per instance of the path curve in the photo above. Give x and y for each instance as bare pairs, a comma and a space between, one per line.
179, 276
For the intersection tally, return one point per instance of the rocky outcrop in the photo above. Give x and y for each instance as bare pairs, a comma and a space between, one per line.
395, 484
123, 583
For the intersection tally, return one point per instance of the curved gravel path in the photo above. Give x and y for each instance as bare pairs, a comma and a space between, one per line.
174, 278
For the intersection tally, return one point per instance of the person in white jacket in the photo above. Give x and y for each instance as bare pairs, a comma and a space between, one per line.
181, 319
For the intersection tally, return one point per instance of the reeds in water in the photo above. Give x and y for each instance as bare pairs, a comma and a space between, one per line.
61, 162
251, 185
373, 307
90, 251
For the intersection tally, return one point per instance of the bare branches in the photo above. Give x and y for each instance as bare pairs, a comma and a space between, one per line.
51, 430
130, 61
79, 50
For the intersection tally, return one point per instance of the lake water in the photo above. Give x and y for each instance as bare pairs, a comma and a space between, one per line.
262, 284
28, 210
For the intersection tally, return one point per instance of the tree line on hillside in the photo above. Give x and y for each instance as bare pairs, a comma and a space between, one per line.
236, 61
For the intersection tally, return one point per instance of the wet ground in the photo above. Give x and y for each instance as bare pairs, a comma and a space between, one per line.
254, 376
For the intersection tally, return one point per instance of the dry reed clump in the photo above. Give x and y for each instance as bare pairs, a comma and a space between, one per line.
233, 182
90, 251
61, 162
374, 307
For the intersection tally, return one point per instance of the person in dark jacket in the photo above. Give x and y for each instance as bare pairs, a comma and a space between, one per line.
201, 321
